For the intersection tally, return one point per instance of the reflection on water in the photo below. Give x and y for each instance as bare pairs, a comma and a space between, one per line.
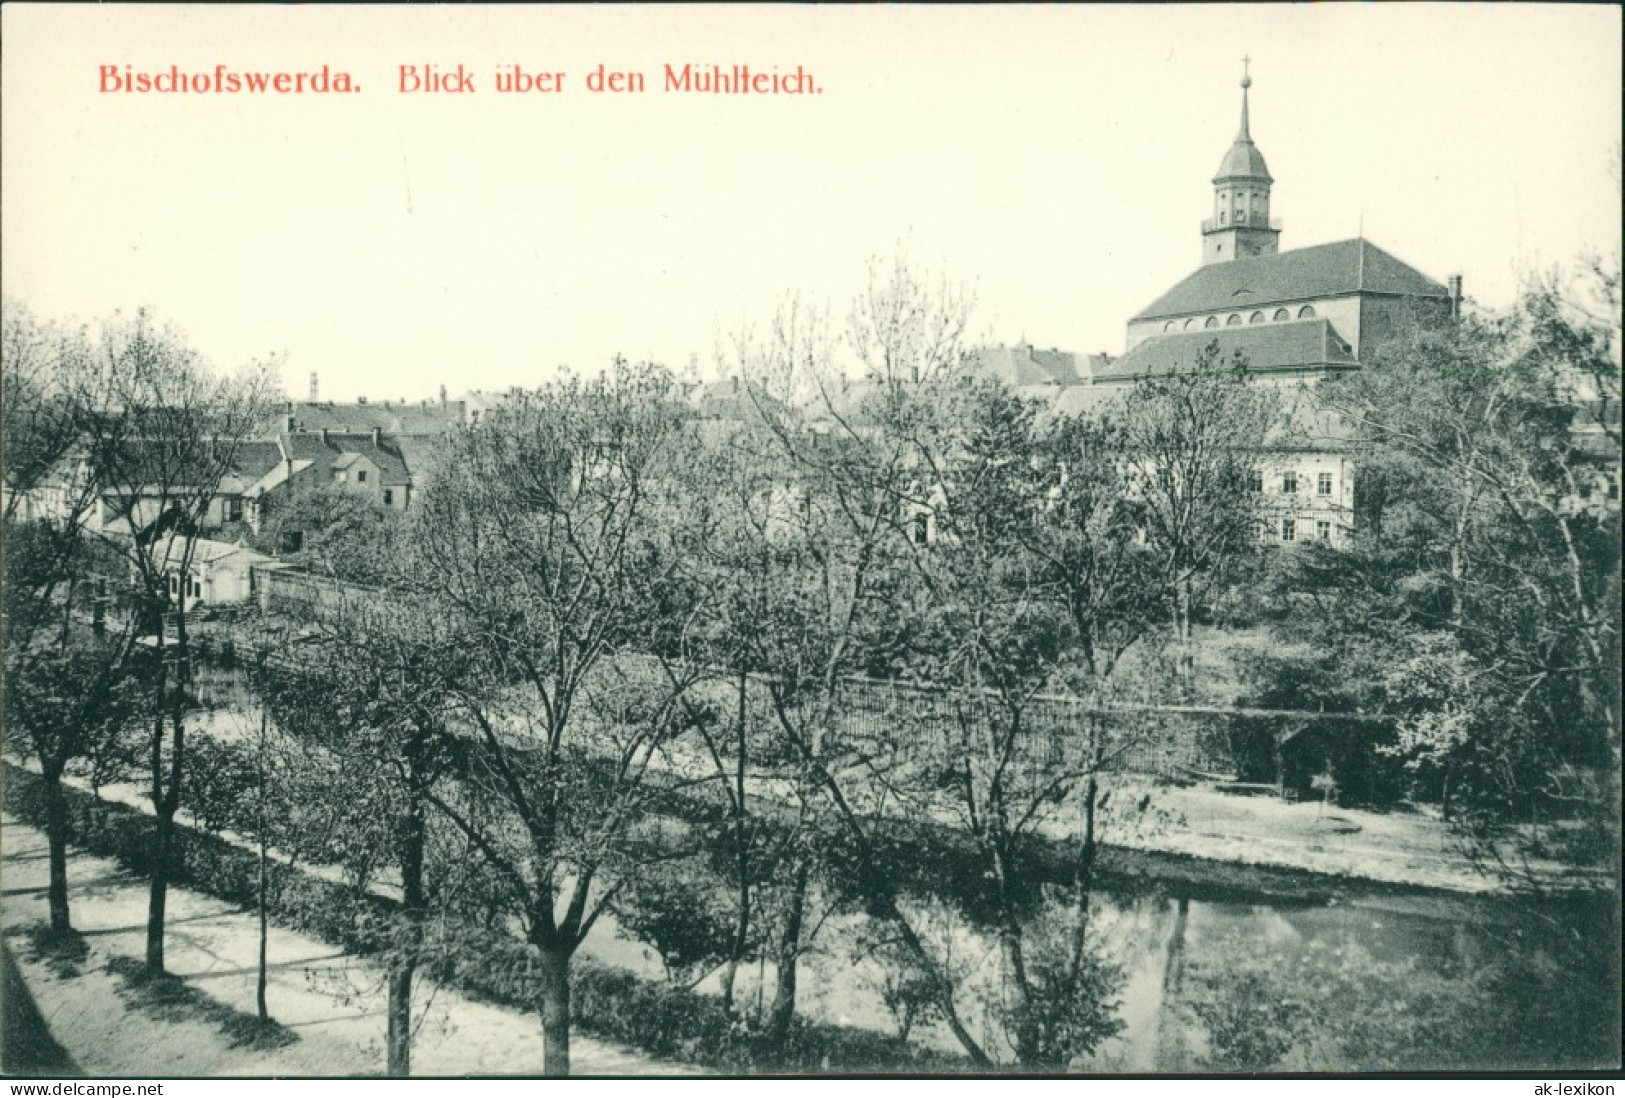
1322, 964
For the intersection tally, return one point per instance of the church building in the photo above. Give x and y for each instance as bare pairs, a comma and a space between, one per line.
1293, 317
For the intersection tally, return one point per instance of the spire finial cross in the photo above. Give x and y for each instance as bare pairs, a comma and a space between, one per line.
1246, 74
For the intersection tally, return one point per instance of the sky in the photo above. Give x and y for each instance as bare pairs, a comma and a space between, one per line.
1055, 161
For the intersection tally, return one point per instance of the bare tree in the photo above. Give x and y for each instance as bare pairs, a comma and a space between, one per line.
158, 444
1034, 584
1197, 437
67, 689
854, 480
545, 533
373, 685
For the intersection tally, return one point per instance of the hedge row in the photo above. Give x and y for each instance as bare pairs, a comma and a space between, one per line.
612, 1004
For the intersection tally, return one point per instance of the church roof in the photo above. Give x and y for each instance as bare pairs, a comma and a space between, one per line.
1287, 345
1243, 161
1326, 270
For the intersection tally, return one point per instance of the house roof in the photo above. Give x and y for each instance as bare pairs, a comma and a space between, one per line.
207, 551
281, 474
732, 399
1326, 270
1024, 364
1287, 345
255, 458
341, 451
423, 418
1304, 424
143, 463
1087, 400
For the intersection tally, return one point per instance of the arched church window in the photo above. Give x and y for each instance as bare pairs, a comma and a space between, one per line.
1191, 323
1232, 320
1221, 217
1282, 314
1212, 322
1256, 318
1306, 312
1168, 327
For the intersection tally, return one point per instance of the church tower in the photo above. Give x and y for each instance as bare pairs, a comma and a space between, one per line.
1241, 224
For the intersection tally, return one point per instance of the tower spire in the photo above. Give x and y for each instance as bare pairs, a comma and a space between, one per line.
1241, 224
1246, 82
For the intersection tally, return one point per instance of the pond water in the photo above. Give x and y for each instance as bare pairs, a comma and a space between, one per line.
1216, 971
1337, 980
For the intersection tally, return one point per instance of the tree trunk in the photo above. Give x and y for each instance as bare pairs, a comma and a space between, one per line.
736, 953
166, 790
741, 839
399, 1039
265, 930
56, 836
265, 934
158, 892
789, 955
400, 978
555, 1007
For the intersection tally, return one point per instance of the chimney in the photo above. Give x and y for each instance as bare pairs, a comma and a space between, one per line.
361, 400
313, 389
442, 398
1455, 297
375, 436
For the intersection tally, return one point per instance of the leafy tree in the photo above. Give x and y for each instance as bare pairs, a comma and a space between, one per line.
1477, 605
1486, 560
340, 533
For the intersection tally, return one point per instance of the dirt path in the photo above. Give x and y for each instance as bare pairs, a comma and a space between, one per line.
332, 1005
